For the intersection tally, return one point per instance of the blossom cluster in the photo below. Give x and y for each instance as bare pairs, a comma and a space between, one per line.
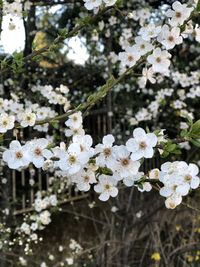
83, 164
42, 217
178, 178
14, 8
28, 114
154, 41
187, 89
57, 96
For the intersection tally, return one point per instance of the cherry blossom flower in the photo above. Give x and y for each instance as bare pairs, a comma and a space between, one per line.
73, 160
170, 37
178, 177
147, 74
106, 154
85, 142
75, 121
142, 46
38, 152
106, 187
146, 187
16, 156
179, 14
27, 118
142, 144
173, 201
159, 60
154, 174
129, 57
6, 122
124, 166
84, 179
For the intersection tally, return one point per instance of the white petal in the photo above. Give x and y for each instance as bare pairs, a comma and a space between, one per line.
104, 196
152, 139
15, 145
139, 134
166, 191
114, 192
183, 190
137, 155
38, 162
148, 152
47, 153
132, 145
108, 140
128, 182
195, 182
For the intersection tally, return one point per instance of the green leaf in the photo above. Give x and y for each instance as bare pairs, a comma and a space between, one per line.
55, 124
196, 142
63, 32
198, 6
164, 154
171, 147
184, 133
195, 130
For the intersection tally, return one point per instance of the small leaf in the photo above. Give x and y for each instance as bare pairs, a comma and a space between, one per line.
171, 147
55, 124
196, 142
184, 133
195, 130
198, 6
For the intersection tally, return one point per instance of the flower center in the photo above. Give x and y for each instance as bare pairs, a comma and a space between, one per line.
86, 178
5, 123
19, 155
188, 178
28, 118
178, 14
130, 58
38, 151
125, 162
158, 59
75, 118
142, 145
107, 186
172, 205
107, 152
171, 38
72, 159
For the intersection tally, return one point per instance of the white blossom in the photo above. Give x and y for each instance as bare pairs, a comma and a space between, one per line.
106, 187
179, 13
142, 144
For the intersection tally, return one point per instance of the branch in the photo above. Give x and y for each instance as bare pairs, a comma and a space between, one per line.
91, 101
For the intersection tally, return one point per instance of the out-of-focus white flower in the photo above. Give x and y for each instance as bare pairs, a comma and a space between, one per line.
6, 122
129, 57
179, 13
170, 37
27, 118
